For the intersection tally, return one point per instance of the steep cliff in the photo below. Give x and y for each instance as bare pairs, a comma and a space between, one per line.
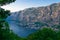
38, 16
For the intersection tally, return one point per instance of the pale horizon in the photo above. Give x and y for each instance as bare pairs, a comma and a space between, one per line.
22, 4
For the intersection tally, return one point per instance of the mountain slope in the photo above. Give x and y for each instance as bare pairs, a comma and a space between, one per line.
39, 16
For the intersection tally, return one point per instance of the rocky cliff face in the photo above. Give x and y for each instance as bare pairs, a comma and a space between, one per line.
39, 16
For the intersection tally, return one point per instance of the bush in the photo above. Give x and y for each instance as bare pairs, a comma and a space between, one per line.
45, 34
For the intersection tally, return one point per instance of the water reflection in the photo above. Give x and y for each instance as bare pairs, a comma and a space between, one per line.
20, 31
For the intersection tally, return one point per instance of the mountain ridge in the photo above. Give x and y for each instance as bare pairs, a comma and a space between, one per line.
49, 15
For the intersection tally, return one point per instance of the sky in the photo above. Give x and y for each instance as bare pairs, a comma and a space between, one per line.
23, 4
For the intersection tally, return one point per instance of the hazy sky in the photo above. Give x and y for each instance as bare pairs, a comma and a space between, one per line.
22, 4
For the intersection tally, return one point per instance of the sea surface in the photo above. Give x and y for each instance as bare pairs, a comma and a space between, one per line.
19, 30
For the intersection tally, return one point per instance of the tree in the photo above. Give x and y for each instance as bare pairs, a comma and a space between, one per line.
4, 27
44, 34
5, 32
4, 2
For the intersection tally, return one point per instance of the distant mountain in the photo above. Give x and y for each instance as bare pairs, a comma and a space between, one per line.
38, 17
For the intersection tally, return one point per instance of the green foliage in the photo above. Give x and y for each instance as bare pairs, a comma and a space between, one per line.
4, 2
15, 37
45, 34
5, 32
4, 27
4, 14
56, 26
38, 24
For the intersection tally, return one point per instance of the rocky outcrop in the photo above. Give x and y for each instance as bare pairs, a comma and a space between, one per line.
39, 16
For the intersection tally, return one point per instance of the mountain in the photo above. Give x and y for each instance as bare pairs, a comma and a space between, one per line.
36, 17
